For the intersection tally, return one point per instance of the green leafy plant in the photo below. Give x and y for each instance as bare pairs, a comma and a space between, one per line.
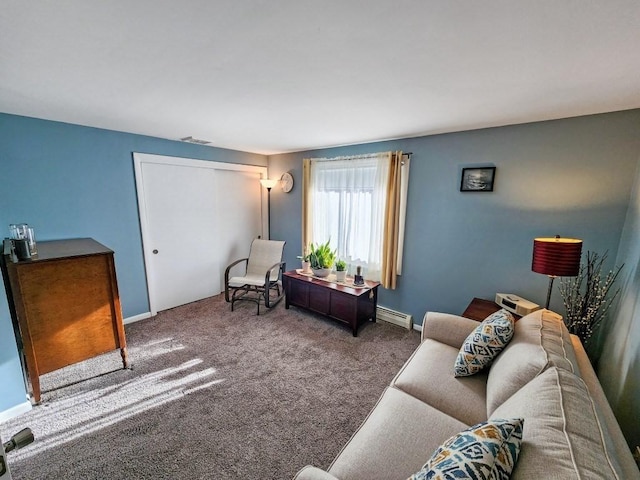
341, 266
588, 297
321, 255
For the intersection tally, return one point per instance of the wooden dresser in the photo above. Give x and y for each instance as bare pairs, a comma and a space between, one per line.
66, 303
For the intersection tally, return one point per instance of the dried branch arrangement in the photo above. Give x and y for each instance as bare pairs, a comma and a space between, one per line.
588, 297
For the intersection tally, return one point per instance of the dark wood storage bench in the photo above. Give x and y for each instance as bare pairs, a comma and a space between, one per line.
351, 305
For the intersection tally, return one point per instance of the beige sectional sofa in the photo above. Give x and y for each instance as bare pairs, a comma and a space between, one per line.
543, 375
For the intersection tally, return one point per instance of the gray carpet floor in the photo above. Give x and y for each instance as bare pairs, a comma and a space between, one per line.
211, 394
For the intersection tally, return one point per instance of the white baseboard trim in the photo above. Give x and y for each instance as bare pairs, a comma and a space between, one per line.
136, 318
417, 327
15, 411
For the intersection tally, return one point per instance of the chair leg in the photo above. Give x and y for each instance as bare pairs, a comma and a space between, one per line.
268, 301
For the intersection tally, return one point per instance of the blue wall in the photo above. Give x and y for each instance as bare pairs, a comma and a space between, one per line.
69, 181
571, 177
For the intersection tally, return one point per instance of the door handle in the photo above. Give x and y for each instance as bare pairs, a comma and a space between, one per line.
155, 252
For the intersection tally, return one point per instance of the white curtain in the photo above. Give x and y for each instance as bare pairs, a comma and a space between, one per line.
348, 207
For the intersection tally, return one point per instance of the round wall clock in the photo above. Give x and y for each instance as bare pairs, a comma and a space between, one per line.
287, 182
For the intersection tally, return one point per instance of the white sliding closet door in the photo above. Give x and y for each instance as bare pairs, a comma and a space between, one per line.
195, 220
237, 215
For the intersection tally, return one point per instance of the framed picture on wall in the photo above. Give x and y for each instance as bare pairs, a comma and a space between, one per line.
478, 179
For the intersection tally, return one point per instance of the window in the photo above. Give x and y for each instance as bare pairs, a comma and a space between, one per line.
347, 202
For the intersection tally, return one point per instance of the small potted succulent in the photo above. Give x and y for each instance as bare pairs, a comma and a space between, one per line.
321, 257
341, 271
306, 262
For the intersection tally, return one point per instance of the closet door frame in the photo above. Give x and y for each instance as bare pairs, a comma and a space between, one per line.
141, 158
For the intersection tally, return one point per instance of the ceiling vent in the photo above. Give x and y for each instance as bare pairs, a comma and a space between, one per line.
195, 140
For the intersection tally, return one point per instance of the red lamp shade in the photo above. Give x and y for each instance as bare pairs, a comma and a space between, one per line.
558, 257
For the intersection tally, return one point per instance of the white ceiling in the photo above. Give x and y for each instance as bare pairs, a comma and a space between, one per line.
271, 76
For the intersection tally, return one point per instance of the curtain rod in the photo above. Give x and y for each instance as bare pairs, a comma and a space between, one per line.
363, 155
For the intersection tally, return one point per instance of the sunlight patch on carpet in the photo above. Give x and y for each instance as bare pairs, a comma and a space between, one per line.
69, 418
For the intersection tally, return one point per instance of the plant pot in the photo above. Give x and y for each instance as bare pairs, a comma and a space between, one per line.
321, 272
306, 267
341, 276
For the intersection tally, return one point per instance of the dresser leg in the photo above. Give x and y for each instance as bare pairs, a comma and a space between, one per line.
35, 389
125, 357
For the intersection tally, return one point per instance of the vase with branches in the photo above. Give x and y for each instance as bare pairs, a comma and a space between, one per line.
588, 297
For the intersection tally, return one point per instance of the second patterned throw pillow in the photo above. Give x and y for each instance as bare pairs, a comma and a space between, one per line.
484, 343
488, 450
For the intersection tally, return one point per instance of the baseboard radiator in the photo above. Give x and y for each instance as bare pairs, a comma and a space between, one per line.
391, 316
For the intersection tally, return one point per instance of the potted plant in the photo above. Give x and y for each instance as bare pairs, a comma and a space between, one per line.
341, 271
306, 263
321, 257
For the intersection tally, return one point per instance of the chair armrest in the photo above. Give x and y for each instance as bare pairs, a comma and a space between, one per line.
226, 276
226, 272
446, 328
280, 265
313, 473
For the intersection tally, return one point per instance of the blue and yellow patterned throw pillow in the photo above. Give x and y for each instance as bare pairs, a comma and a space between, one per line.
484, 344
487, 451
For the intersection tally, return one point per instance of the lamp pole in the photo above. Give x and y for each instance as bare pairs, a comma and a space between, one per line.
268, 184
551, 279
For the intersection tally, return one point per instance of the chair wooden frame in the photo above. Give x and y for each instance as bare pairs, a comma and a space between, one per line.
236, 289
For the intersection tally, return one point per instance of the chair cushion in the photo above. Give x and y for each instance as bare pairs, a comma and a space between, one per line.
426, 376
249, 279
540, 340
487, 450
484, 343
562, 433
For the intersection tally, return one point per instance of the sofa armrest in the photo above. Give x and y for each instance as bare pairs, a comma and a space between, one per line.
313, 473
446, 328
618, 450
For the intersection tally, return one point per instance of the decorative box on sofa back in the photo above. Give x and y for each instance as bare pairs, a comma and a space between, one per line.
542, 376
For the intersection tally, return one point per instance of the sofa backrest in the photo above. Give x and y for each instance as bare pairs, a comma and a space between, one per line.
563, 437
540, 341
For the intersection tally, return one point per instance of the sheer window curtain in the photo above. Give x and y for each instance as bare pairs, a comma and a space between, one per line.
348, 200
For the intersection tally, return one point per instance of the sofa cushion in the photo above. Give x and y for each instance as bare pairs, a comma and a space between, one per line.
484, 343
487, 450
540, 340
562, 433
427, 376
313, 473
447, 328
394, 439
